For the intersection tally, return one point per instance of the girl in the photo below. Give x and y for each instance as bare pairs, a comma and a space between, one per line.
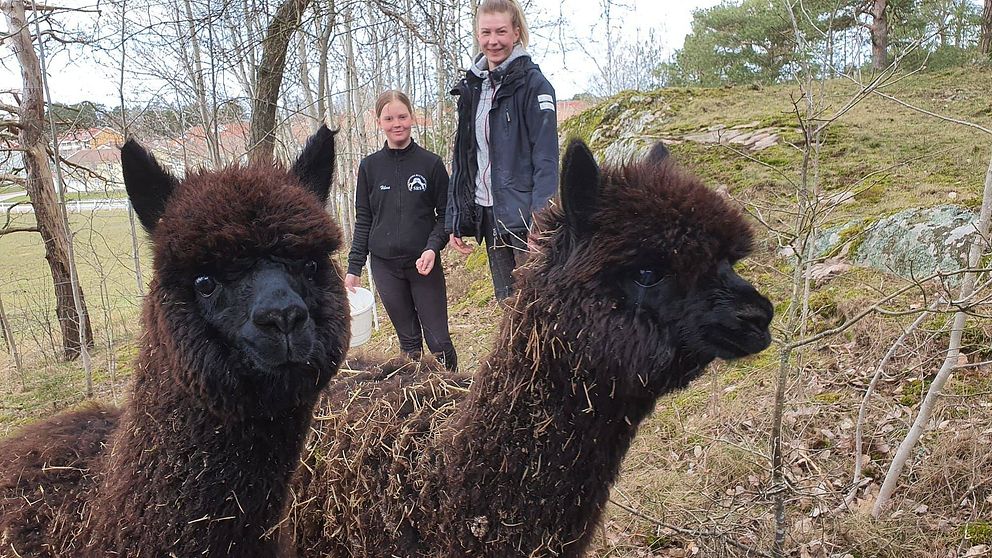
505, 165
399, 220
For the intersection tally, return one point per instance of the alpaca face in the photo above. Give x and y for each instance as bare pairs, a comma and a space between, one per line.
647, 254
246, 300
264, 311
720, 316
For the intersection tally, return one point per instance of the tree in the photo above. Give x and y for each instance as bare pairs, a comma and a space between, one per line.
985, 44
269, 78
40, 185
879, 28
731, 44
631, 64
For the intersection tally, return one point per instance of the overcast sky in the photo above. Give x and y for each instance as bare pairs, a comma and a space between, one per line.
571, 71
555, 47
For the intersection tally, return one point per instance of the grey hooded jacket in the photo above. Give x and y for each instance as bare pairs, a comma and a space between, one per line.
523, 150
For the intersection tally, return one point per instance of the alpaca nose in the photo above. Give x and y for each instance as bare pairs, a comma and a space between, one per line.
285, 318
277, 306
759, 312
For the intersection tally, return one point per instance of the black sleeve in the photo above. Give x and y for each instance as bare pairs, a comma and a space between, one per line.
439, 181
363, 224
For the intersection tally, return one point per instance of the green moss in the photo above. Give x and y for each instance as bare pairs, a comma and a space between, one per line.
976, 339
852, 235
914, 391
828, 397
873, 194
660, 542
979, 532
477, 261
479, 294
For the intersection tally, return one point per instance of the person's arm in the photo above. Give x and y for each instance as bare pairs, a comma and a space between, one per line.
542, 130
439, 181
363, 224
457, 175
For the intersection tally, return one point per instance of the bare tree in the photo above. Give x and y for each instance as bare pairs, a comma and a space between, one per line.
979, 244
40, 185
8, 337
193, 60
269, 76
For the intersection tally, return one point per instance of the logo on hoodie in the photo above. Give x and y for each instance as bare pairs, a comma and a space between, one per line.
416, 183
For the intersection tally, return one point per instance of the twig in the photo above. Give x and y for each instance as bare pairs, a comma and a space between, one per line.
692, 532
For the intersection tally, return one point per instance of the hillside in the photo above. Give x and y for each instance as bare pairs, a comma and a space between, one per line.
702, 462
696, 481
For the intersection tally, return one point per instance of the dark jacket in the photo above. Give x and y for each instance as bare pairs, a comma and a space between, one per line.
399, 206
523, 150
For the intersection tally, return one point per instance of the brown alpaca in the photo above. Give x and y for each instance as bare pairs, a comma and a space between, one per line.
630, 295
245, 321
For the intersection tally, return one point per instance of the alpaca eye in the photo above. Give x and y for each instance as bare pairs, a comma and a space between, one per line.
310, 269
205, 285
647, 278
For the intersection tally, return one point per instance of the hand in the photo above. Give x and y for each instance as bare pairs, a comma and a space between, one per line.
426, 262
462, 248
352, 281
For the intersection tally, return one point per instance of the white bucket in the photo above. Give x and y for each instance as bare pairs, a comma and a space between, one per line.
361, 303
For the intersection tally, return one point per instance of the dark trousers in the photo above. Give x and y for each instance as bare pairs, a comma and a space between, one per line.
418, 307
506, 252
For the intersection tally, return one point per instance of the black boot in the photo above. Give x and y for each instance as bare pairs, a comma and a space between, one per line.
448, 358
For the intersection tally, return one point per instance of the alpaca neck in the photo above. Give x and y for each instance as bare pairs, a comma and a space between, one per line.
542, 437
196, 483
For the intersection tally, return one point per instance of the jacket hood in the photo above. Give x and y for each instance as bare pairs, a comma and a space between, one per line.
481, 66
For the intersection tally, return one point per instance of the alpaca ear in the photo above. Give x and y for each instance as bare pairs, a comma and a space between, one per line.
657, 154
315, 164
148, 185
579, 185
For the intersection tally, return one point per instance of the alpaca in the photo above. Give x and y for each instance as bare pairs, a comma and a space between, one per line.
245, 322
630, 294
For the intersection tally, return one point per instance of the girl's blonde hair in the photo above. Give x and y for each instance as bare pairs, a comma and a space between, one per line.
390, 96
506, 6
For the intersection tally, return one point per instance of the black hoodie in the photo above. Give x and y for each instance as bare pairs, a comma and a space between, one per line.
399, 206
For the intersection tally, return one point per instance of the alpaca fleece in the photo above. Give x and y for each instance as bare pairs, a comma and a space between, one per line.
521, 462
198, 460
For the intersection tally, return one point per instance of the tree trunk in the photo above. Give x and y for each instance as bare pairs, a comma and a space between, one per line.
269, 76
879, 34
41, 186
8, 337
309, 101
324, 106
985, 44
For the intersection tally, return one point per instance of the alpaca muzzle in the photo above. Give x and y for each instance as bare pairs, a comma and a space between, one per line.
281, 330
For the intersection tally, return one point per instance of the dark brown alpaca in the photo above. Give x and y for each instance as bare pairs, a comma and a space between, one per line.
246, 320
630, 295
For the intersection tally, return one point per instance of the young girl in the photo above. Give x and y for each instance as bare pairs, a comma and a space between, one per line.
399, 220
505, 166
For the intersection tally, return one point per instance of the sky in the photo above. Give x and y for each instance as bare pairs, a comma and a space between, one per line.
569, 69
